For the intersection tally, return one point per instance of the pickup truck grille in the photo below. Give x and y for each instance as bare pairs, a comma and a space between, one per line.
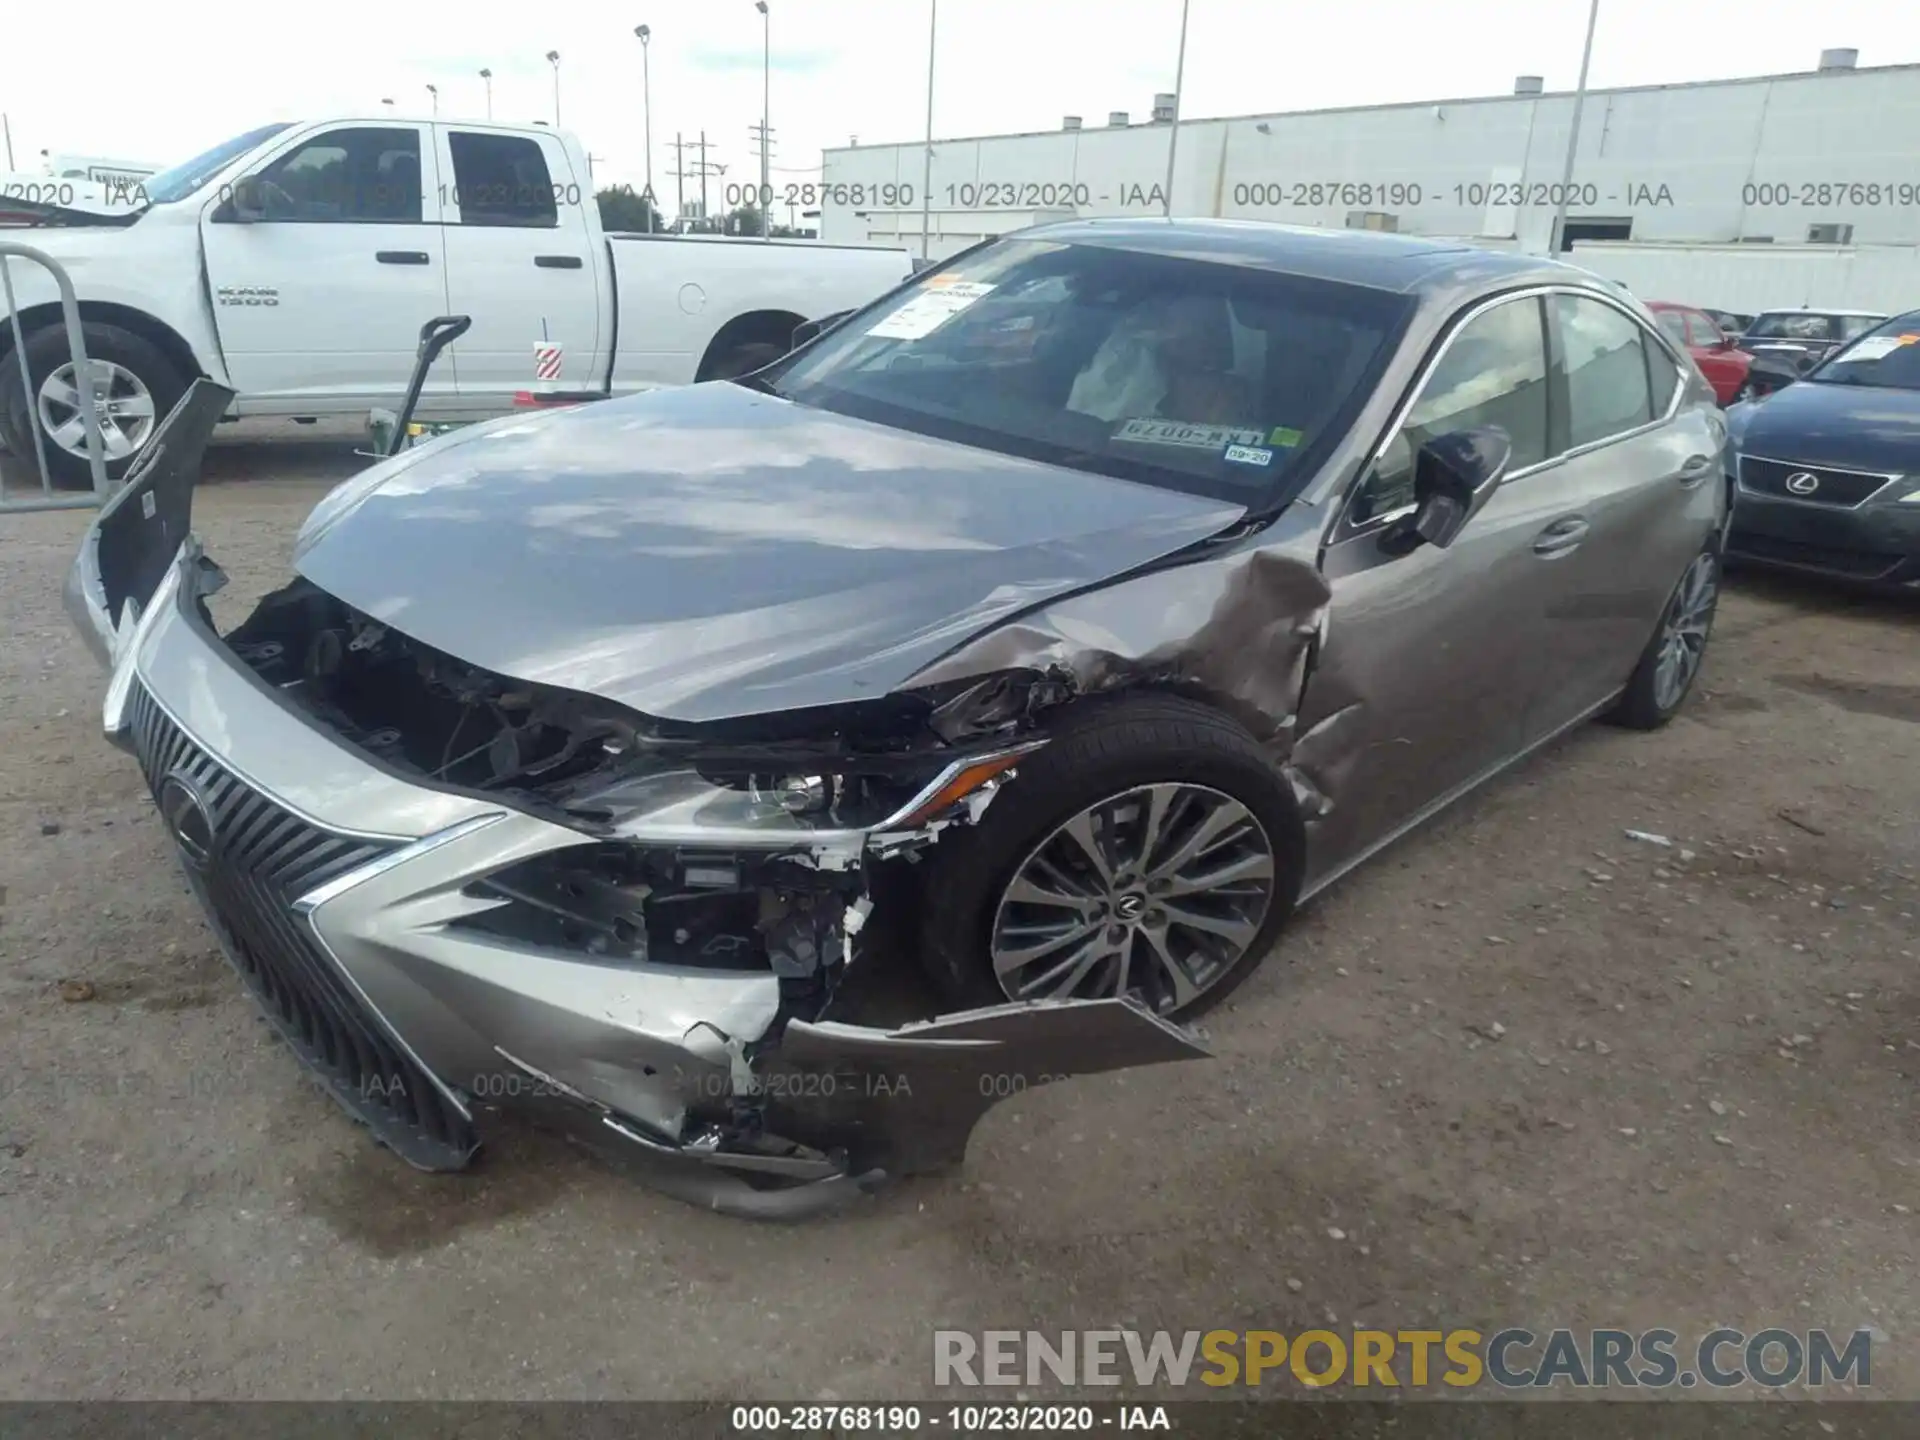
1776, 479
260, 858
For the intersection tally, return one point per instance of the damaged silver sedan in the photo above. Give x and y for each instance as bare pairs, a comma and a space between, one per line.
1070, 615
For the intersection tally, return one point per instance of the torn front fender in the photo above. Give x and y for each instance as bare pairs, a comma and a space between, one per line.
1236, 628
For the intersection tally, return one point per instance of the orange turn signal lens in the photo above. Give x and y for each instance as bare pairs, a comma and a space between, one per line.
962, 785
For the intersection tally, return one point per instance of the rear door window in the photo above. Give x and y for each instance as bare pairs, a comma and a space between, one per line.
1608, 392
501, 180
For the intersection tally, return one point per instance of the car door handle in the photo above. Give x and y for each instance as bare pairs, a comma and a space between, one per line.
558, 262
401, 257
1695, 469
1562, 537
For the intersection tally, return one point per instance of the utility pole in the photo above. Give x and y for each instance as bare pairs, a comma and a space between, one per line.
679, 176
926, 162
1556, 240
764, 200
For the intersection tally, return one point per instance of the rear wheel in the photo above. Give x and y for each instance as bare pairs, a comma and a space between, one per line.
1671, 661
1151, 849
745, 359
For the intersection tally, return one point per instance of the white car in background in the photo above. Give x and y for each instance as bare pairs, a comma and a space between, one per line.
295, 264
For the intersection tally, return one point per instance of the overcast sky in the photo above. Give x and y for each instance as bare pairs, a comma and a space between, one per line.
160, 82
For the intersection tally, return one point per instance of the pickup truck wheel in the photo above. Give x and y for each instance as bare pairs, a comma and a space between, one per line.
136, 385
744, 360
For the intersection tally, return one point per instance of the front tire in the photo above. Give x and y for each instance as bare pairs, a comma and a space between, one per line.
140, 386
1671, 662
1152, 848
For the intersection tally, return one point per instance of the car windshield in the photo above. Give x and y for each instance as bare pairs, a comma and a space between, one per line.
1888, 357
1212, 379
182, 180
1792, 325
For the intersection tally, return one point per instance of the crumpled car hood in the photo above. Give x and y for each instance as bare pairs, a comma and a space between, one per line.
708, 552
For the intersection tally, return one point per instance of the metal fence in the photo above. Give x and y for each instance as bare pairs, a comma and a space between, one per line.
86, 387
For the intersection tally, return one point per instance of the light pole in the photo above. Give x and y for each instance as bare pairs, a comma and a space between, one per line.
1554, 241
1173, 130
434, 91
646, 110
487, 75
766, 135
553, 59
926, 164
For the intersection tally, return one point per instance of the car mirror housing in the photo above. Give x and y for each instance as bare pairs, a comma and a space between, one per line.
246, 203
1454, 475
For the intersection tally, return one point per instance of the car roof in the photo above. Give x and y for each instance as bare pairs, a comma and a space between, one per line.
1823, 310
1404, 263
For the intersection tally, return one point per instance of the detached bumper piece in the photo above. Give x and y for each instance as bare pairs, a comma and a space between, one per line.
256, 860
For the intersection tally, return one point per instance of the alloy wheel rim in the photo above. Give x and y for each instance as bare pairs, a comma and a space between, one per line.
121, 402
1683, 635
1159, 890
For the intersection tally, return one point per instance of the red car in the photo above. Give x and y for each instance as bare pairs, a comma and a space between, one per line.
1719, 360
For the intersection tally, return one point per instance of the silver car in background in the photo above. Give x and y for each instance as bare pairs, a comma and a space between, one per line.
1066, 617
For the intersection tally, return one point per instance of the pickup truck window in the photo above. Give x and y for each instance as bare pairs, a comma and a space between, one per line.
1212, 379
360, 175
501, 180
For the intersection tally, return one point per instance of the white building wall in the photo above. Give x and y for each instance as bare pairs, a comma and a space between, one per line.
1677, 161
1751, 278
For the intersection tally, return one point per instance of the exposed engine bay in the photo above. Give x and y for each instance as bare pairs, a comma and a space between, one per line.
590, 765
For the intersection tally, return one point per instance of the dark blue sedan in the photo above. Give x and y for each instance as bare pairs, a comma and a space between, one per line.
1827, 470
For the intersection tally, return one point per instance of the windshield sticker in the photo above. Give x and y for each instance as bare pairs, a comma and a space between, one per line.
1144, 430
1873, 349
1247, 455
1285, 438
929, 310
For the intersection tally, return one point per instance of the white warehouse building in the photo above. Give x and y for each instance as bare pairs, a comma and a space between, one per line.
1822, 168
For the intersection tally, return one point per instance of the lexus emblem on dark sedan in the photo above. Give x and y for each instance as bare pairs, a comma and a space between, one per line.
1801, 483
189, 820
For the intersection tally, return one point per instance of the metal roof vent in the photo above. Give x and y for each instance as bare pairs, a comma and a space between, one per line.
1117, 118
1528, 84
1839, 59
1071, 122
1163, 109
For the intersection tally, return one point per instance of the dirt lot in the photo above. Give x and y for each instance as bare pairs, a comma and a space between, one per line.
1531, 1070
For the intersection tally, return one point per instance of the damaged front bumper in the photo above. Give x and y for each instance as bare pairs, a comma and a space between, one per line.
394, 934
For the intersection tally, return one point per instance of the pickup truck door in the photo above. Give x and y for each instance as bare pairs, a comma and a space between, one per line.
322, 299
524, 259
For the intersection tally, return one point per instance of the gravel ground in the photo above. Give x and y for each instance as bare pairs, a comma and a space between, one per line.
1522, 1069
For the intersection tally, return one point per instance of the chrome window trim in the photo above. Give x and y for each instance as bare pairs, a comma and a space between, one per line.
1344, 528
1740, 483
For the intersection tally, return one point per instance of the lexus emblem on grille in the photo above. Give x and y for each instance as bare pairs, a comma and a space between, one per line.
1801, 483
187, 816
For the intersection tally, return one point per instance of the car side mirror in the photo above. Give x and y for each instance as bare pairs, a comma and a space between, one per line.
246, 202
814, 329
1454, 475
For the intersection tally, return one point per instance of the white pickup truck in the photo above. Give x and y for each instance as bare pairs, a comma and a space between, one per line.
296, 264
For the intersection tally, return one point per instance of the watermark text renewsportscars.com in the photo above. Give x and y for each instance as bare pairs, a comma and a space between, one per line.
1510, 1359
